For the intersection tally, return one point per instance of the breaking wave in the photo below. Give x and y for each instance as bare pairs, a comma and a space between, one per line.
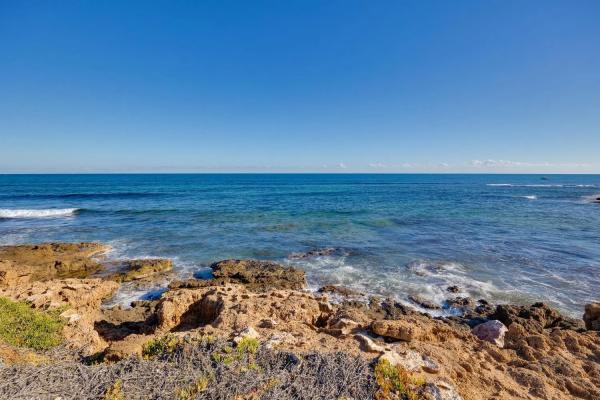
37, 213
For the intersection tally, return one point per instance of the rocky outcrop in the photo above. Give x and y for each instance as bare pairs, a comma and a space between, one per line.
81, 299
142, 269
255, 275
534, 318
41, 262
545, 355
591, 317
339, 290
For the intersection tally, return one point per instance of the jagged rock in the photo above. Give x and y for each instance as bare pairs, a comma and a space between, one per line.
464, 303
453, 289
256, 275
82, 297
534, 318
132, 345
260, 275
411, 360
491, 331
369, 345
41, 262
591, 317
268, 323
142, 268
441, 390
339, 290
424, 302
396, 329
118, 322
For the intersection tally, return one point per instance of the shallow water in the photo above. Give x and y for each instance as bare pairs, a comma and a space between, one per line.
517, 238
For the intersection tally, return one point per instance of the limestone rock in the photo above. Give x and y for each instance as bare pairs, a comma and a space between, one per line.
369, 345
422, 302
82, 297
491, 331
411, 360
132, 345
534, 318
249, 333
260, 275
339, 290
256, 275
142, 268
442, 390
42, 262
396, 329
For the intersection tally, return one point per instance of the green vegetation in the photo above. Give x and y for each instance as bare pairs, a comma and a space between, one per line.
158, 346
246, 348
248, 345
395, 382
23, 326
192, 391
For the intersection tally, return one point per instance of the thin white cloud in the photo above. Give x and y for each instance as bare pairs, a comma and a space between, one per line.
342, 165
512, 164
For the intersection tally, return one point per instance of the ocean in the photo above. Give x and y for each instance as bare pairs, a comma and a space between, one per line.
505, 238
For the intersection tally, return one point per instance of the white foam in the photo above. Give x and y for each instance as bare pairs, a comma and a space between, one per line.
530, 197
37, 213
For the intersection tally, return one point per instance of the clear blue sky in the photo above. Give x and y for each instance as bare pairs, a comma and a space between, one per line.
508, 86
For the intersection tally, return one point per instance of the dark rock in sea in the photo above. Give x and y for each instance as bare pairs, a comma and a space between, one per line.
534, 318
339, 290
256, 275
464, 303
424, 302
327, 251
453, 289
591, 317
483, 307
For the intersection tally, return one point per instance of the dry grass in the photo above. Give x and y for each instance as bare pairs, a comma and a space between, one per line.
189, 372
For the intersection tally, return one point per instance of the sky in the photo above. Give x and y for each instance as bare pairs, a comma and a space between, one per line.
300, 86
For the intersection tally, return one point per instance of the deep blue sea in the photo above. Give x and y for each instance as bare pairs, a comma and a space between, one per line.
517, 238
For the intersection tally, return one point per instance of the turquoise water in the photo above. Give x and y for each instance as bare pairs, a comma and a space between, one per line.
517, 238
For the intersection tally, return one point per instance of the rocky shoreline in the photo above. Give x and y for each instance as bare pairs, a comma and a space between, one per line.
485, 352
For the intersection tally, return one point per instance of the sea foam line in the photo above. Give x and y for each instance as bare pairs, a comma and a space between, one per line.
37, 213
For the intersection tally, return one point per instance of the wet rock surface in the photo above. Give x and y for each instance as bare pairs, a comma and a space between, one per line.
256, 275
534, 318
142, 269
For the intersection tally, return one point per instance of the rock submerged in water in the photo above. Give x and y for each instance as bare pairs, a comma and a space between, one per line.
255, 275
327, 251
142, 268
339, 290
424, 303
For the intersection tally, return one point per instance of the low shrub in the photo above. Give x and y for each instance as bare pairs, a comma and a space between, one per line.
23, 326
395, 382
